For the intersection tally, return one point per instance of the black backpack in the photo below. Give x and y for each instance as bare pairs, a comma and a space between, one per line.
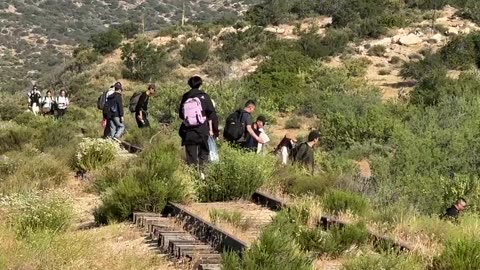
134, 101
234, 127
110, 107
293, 153
102, 100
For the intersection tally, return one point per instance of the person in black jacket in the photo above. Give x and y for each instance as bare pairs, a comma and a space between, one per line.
195, 136
304, 154
141, 110
453, 212
114, 111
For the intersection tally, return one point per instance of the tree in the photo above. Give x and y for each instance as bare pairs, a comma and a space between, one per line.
106, 42
128, 29
144, 61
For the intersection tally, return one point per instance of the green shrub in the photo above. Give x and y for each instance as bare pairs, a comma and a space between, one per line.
237, 175
337, 201
151, 184
357, 67
459, 254
235, 218
384, 261
144, 61
304, 184
106, 42
195, 52
34, 212
377, 50
13, 137
236, 45
334, 42
395, 60
110, 176
384, 72
94, 153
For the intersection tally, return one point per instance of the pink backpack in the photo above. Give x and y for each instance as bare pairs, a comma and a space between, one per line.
193, 112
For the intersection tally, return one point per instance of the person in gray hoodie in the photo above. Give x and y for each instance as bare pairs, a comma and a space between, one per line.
114, 111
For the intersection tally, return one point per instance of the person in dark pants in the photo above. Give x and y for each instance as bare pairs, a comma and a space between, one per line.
141, 110
251, 144
114, 111
106, 129
250, 139
196, 111
453, 212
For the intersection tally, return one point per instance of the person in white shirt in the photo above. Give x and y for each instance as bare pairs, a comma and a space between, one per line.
47, 103
62, 103
285, 147
34, 97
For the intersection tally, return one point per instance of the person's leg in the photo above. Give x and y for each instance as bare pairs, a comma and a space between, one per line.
113, 127
203, 153
106, 129
147, 123
191, 152
120, 127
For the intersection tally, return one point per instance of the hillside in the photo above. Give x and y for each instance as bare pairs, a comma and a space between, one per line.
39, 35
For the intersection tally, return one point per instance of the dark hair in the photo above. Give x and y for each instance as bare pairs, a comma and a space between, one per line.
63, 90
262, 119
48, 91
250, 102
313, 135
195, 82
151, 87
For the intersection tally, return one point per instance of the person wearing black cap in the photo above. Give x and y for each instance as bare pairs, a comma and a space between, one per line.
303, 154
141, 110
196, 110
114, 111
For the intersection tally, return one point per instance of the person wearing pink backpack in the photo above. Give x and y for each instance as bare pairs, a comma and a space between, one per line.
196, 111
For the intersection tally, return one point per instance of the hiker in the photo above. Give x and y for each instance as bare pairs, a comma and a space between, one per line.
61, 103
197, 111
141, 107
285, 147
455, 210
215, 124
239, 128
34, 97
102, 100
258, 127
47, 103
303, 153
113, 110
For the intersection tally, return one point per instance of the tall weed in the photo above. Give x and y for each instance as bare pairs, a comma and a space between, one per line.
337, 201
459, 254
94, 153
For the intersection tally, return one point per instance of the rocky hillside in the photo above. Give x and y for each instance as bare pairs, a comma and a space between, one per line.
37, 35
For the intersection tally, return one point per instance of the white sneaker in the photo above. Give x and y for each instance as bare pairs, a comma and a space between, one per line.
202, 176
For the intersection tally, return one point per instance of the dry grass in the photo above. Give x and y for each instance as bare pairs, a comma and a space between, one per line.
113, 247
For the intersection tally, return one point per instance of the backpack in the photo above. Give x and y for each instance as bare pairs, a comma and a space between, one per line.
293, 153
234, 127
102, 99
193, 112
110, 107
134, 101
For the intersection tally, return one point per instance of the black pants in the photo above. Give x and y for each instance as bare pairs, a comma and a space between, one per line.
145, 123
197, 154
106, 130
61, 113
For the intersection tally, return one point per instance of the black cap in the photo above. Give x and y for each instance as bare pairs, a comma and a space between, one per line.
118, 85
314, 134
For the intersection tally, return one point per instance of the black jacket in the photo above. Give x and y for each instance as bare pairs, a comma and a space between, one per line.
114, 106
196, 135
142, 104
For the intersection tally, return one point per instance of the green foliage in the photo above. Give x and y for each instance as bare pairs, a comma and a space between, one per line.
13, 137
106, 42
304, 184
94, 153
236, 45
146, 188
461, 254
384, 261
293, 123
34, 212
313, 45
236, 176
195, 52
357, 67
377, 50
143, 61
337, 201
128, 29
235, 218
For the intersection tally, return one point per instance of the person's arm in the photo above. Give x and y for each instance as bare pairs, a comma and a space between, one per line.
120, 106
180, 108
210, 113
253, 134
139, 107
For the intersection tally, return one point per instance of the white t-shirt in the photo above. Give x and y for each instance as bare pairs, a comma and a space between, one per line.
62, 102
47, 102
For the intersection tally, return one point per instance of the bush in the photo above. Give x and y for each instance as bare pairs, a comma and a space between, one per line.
34, 212
304, 184
128, 29
357, 67
236, 45
384, 261
237, 175
459, 254
106, 42
377, 50
195, 52
94, 153
337, 201
395, 60
383, 72
333, 43
144, 62
148, 187
13, 137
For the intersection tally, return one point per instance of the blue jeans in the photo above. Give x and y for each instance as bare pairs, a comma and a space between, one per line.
116, 127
